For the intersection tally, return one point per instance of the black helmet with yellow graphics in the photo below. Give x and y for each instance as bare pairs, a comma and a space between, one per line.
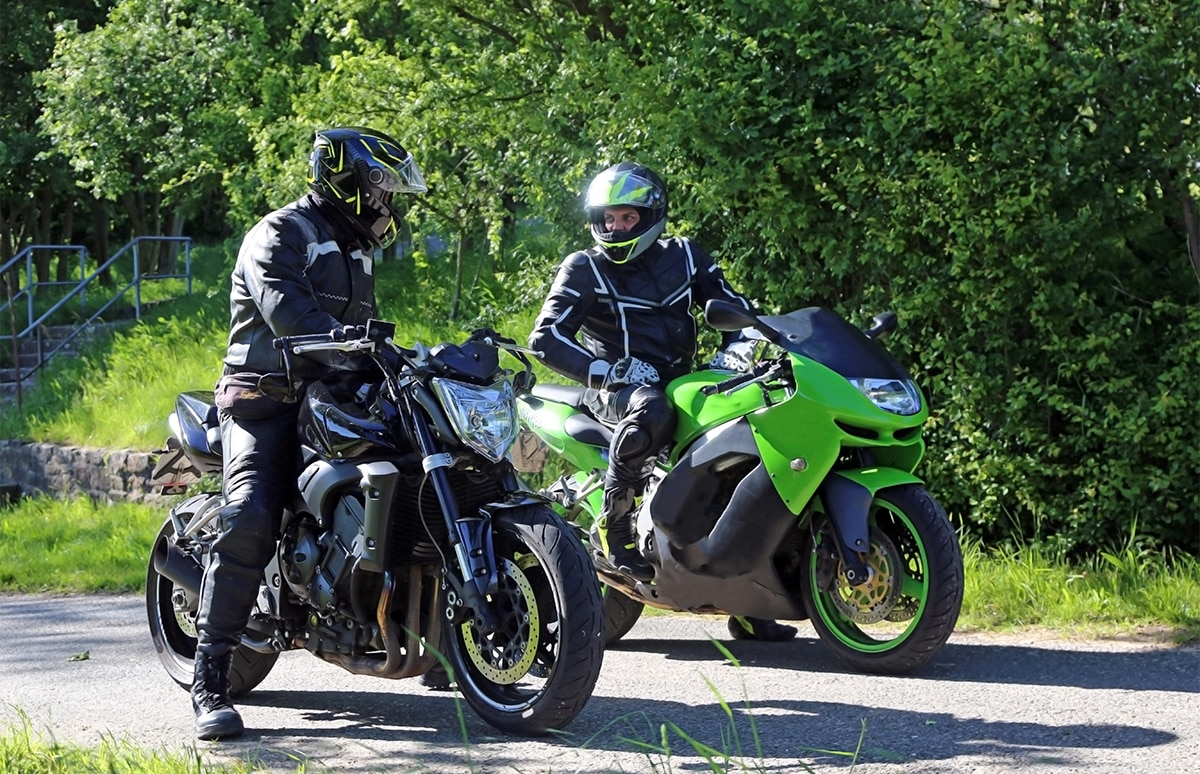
360, 170
626, 185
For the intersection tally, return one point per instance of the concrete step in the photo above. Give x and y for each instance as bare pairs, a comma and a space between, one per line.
52, 336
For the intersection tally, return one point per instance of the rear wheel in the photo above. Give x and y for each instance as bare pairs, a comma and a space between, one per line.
537, 671
171, 613
620, 614
899, 619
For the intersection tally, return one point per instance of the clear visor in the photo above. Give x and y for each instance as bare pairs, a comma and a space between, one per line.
402, 177
622, 188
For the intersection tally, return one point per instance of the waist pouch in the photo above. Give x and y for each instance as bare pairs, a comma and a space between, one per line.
250, 395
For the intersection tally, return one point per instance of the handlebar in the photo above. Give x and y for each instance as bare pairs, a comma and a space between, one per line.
730, 384
376, 336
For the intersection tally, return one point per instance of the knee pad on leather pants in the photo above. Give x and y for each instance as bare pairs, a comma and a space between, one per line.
646, 425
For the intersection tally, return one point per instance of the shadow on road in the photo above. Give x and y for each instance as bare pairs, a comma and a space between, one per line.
820, 733
1160, 669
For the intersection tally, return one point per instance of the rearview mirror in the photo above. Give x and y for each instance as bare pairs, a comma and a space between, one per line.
728, 316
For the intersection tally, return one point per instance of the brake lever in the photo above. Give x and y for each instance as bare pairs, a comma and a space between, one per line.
729, 386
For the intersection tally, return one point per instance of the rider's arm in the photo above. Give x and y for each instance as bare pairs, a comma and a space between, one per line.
567, 307
711, 283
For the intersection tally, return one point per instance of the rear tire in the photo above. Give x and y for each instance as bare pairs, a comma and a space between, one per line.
171, 614
536, 673
620, 614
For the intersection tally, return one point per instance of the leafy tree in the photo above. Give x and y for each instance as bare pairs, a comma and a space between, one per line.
37, 195
145, 107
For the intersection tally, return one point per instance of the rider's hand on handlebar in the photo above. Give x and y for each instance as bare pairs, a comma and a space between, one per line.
603, 375
738, 356
348, 332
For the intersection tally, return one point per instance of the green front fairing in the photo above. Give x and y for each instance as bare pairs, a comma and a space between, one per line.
808, 428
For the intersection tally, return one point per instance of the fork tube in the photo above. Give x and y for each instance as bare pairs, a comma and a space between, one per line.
467, 537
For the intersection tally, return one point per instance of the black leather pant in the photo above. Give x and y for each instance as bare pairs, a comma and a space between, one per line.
261, 465
643, 420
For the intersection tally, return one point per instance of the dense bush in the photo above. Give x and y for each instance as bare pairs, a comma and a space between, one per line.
1018, 180
1015, 183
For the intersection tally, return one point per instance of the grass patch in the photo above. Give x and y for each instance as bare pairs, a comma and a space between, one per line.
1126, 591
27, 753
76, 545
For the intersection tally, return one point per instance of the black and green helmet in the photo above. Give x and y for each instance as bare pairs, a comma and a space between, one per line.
360, 170
630, 185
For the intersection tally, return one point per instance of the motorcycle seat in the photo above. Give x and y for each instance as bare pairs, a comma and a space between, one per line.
582, 427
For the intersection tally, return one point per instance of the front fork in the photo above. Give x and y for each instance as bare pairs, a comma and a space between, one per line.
846, 496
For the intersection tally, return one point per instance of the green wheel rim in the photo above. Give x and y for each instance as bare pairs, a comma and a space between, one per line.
887, 613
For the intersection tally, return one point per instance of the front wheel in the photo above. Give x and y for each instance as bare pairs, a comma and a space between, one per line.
898, 620
537, 671
171, 613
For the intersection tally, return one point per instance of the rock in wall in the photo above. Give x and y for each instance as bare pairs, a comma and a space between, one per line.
107, 475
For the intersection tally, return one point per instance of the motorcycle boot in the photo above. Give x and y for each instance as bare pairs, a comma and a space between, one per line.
216, 717
227, 596
615, 526
744, 627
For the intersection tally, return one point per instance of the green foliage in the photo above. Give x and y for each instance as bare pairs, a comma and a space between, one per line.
1019, 181
118, 108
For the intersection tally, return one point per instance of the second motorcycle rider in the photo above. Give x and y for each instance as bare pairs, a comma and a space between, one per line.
618, 319
306, 268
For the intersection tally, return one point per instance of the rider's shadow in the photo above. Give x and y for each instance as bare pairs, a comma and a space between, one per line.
819, 733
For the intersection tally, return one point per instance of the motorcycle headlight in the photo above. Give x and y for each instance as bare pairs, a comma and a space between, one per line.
485, 418
899, 396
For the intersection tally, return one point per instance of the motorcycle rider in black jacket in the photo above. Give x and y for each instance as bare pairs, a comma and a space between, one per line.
305, 268
618, 319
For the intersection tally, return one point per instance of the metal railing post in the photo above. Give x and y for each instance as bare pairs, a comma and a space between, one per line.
187, 264
83, 273
137, 279
31, 285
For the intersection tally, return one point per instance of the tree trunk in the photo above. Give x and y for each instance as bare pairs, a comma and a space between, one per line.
458, 272
1191, 224
68, 258
100, 246
41, 258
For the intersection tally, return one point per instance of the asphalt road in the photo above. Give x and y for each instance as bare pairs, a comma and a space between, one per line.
986, 704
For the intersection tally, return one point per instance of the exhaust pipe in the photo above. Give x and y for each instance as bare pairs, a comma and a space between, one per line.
176, 566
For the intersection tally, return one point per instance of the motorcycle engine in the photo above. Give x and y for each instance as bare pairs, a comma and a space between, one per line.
317, 561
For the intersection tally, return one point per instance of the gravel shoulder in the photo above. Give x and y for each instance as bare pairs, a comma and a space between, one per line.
82, 668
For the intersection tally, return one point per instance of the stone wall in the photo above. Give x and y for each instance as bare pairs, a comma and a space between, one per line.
105, 475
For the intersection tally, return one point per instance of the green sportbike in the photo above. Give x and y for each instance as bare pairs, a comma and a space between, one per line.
787, 492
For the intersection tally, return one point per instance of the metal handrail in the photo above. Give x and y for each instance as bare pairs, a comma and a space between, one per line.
33, 326
27, 291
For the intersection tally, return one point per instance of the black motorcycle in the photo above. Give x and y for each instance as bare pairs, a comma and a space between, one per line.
410, 539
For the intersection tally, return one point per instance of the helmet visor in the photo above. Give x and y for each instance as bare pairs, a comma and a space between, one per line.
396, 175
613, 189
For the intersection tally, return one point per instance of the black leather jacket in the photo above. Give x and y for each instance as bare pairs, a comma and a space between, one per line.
642, 309
300, 270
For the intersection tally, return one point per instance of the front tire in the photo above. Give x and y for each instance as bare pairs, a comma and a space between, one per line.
898, 620
536, 673
171, 613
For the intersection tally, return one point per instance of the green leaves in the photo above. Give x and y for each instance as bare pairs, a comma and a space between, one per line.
1014, 179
